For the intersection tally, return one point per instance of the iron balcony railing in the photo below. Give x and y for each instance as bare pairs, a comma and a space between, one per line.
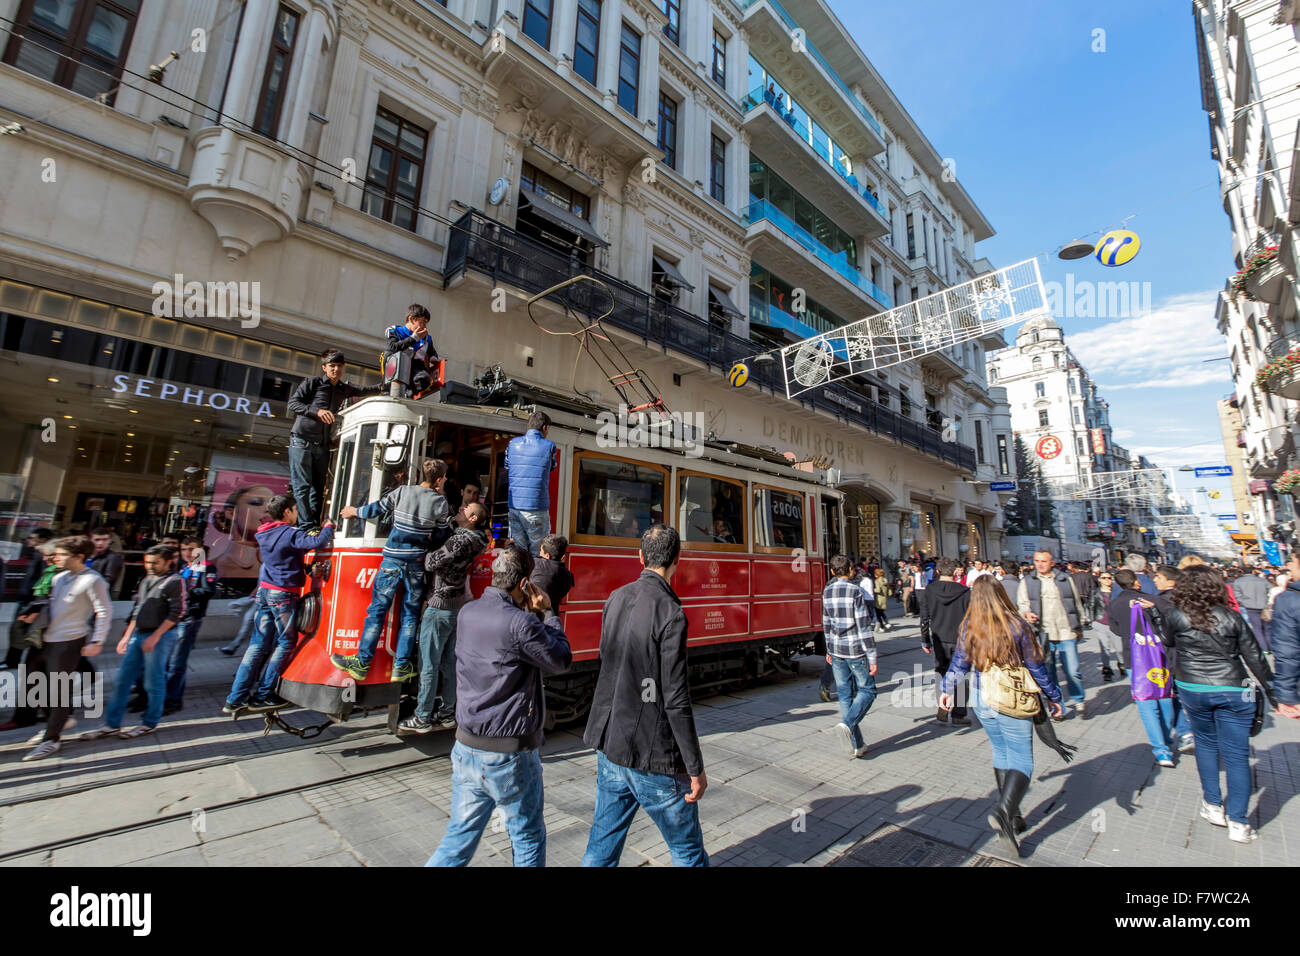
1281, 346
482, 245
839, 261
815, 137
830, 72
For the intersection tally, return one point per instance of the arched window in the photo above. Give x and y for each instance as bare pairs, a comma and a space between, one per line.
1038, 360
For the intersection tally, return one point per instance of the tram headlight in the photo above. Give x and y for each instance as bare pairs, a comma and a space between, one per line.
395, 449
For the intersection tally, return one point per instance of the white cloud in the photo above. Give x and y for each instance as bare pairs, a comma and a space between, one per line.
1209, 453
1162, 349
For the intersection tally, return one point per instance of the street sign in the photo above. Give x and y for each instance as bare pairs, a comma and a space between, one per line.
1217, 471
1226, 517
1116, 520
1002, 486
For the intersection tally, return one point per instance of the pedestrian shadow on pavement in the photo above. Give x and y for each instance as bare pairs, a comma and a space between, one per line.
1084, 787
1275, 762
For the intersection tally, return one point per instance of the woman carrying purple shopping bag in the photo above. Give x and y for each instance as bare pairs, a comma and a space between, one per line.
1151, 684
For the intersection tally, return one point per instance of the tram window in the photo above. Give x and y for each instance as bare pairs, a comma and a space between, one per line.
359, 493
617, 499
710, 510
778, 519
342, 472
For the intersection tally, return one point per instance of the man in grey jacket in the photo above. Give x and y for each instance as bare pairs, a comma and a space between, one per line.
1252, 594
448, 593
1049, 600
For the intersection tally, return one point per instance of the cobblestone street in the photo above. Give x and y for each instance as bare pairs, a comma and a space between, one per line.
781, 790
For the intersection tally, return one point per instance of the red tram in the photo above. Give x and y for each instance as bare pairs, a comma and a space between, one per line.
755, 534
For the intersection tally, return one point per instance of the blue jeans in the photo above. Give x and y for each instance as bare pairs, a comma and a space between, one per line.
392, 572
154, 666
274, 638
1158, 719
1012, 739
308, 468
853, 707
1257, 625
187, 632
528, 528
481, 780
1069, 652
437, 664
1221, 722
619, 791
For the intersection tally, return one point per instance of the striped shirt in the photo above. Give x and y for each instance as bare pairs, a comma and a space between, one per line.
846, 621
416, 512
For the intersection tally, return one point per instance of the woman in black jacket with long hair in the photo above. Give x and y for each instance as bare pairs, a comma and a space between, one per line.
1212, 642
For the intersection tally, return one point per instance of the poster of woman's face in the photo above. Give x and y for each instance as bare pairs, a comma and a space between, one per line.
239, 502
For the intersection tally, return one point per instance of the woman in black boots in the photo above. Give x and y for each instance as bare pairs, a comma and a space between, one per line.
998, 645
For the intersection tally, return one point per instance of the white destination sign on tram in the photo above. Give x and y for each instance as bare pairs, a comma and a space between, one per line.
168, 392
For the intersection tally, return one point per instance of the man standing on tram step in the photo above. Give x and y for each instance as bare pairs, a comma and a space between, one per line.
315, 403
1048, 599
414, 337
850, 650
420, 524
283, 574
943, 607
448, 593
530, 459
200, 584
549, 572
500, 710
641, 724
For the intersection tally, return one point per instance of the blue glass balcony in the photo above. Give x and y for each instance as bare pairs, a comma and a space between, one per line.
834, 77
760, 209
816, 140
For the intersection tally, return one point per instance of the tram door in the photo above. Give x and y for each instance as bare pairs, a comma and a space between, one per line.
831, 526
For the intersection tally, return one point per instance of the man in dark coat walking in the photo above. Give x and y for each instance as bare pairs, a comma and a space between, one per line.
943, 606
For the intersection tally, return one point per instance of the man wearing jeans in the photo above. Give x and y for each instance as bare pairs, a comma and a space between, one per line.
314, 404
419, 514
1048, 599
530, 459
850, 650
200, 583
641, 723
448, 593
500, 710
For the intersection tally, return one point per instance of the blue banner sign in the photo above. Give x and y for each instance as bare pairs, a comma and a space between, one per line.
1217, 471
1002, 486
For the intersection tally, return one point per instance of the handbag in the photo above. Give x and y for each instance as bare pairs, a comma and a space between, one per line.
1015, 693
1257, 722
1150, 672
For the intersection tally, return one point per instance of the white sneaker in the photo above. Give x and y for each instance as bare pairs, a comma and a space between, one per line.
860, 752
1079, 707
1214, 814
1237, 832
37, 737
48, 748
847, 734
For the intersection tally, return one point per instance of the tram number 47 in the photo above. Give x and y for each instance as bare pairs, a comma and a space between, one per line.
366, 577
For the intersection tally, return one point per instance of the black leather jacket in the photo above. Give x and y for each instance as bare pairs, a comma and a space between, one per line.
1215, 657
315, 393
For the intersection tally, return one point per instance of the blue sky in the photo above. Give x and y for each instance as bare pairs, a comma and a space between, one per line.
1054, 141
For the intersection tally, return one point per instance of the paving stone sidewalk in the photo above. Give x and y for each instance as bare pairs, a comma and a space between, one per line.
781, 791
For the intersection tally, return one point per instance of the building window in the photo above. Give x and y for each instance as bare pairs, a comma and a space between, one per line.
78, 45
1076, 415
396, 170
1082, 449
586, 40
275, 82
1004, 461
1042, 418
1038, 361
979, 441
993, 374
1074, 387
718, 169
668, 129
915, 294
719, 58
673, 28
629, 69
537, 21
911, 241
1040, 390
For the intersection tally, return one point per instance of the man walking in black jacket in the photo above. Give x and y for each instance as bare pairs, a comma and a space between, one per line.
943, 607
641, 724
500, 709
314, 403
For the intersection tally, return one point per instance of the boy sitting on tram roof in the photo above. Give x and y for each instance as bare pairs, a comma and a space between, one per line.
414, 337
420, 523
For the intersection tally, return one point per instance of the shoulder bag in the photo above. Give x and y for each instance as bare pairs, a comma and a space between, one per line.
1015, 693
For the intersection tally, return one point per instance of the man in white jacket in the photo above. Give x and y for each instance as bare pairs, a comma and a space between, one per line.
76, 595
